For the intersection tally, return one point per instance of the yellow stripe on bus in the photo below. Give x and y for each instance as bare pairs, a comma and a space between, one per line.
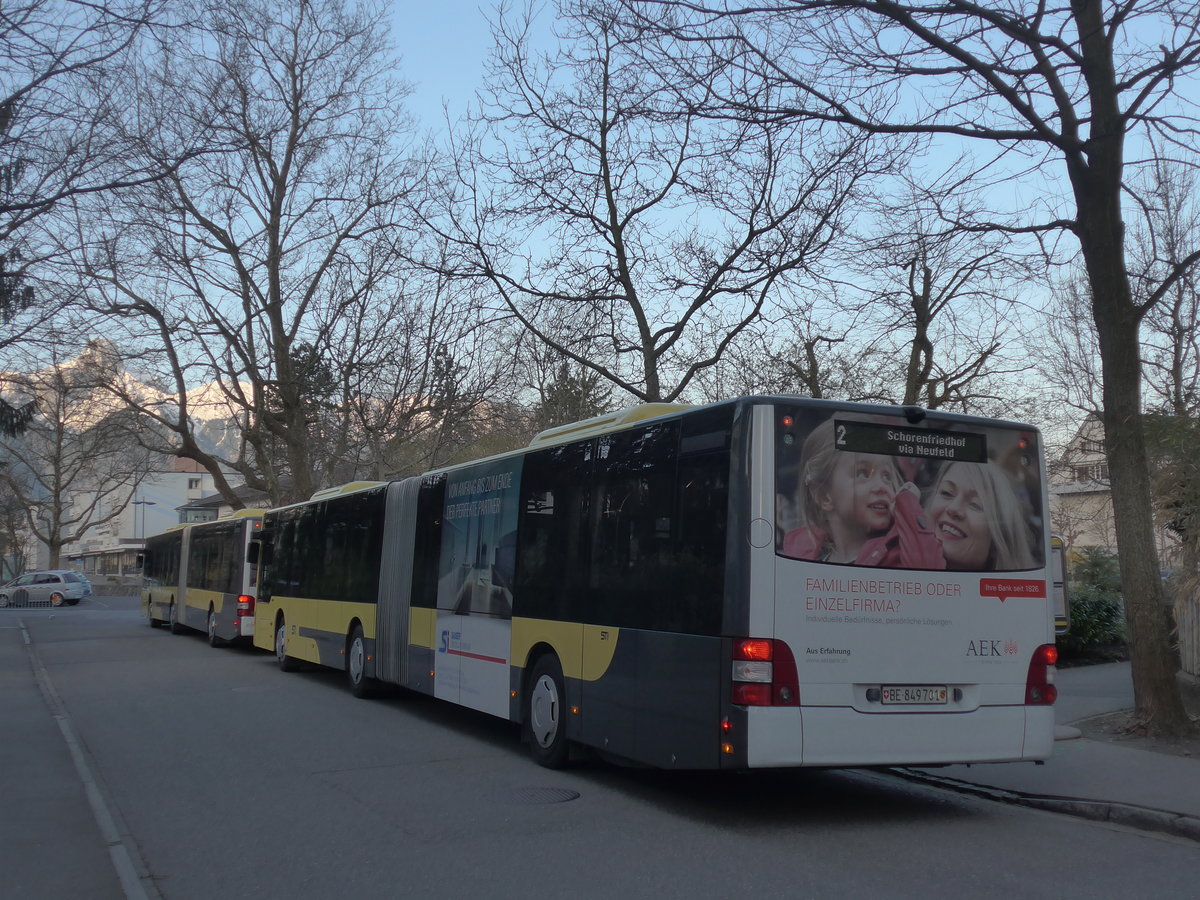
585, 651
303, 613
198, 598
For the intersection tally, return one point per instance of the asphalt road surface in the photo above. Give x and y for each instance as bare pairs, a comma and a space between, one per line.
228, 778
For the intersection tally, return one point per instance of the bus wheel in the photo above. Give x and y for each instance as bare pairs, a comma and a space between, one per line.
213, 640
154, 623
286, 663
356, 664
172, 622
545, 714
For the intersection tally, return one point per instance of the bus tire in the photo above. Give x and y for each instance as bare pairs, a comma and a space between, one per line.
213, 640
286, 663
545, 713
154, 623
173, 625
356, 664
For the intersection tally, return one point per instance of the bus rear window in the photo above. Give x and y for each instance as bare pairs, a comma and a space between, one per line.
876, 490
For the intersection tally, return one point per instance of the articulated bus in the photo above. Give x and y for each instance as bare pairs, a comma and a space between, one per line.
767, 581
204, 576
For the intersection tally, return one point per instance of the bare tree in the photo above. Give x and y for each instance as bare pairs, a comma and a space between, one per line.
620, 226
925, 316
71, 470
268, 264
13, 534
1070, 83
1170, 228
60, 63
941, 301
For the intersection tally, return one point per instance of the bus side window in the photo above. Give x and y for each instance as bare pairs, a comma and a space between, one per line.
632, 526
551, 545
700, 548
427, 551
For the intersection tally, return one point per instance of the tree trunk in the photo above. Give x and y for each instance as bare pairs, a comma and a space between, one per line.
1158, 704
1096, 173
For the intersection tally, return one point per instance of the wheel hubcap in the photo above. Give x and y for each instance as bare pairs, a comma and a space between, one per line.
544, 711
357, 658
280, 643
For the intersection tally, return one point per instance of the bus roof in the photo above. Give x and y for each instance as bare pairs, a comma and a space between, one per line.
616, 421
605, 423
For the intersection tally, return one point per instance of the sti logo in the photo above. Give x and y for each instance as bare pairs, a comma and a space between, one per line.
990, 648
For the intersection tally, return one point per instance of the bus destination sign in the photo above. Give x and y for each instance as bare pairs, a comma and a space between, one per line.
901, 440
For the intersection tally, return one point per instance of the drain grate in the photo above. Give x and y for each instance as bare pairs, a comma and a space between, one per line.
534, 796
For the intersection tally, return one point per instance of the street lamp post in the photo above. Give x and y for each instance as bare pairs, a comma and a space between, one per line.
141, 509
140, 532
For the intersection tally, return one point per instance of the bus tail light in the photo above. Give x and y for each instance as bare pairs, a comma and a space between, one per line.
245, 606
764, 673
1039, 684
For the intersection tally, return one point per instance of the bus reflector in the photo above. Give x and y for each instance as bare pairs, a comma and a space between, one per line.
245, 606
1039, 684
764, 673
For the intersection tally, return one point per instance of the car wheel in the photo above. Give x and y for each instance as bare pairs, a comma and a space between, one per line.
286, 663
3, 600
213, 640
356, 664
57, 599
545, 716
173, 623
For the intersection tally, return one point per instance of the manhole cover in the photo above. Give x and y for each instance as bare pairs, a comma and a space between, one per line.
537, 795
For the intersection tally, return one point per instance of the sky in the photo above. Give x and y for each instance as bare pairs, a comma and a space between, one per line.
442, 48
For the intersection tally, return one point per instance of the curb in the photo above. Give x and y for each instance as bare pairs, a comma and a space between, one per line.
1141, 818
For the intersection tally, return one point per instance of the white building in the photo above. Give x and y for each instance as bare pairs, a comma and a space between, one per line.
1081, 509
114, 547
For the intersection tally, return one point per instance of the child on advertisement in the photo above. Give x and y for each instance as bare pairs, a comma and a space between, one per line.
856, 508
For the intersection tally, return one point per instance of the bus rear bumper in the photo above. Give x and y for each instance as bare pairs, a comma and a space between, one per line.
841, 736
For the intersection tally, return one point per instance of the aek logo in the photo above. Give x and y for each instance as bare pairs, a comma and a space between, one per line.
987, 647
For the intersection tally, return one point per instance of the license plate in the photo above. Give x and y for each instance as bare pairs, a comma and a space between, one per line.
914, 693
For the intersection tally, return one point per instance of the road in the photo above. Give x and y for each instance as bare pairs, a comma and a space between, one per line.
229, 778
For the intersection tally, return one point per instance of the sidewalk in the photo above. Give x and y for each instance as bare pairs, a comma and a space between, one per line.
1093, 779
50, 842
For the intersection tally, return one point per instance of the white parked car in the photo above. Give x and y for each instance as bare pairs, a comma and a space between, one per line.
56, 587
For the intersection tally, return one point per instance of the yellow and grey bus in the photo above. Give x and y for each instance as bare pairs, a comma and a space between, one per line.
767, 581
204, 576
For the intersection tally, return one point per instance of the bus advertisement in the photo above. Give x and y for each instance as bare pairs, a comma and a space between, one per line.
768, 581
